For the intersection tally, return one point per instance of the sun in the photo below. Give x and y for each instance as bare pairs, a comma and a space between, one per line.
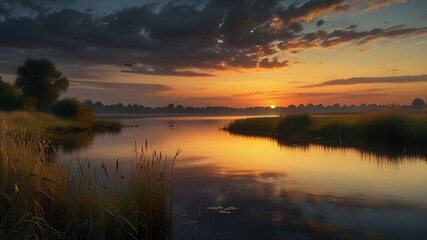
272, 106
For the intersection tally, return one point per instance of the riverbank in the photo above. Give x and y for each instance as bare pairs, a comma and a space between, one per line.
50, 124
386, 126
41, 198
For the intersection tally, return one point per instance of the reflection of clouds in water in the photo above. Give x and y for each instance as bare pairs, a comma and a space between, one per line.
272, 207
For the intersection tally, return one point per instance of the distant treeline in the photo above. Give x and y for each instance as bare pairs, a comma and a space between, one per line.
100, 108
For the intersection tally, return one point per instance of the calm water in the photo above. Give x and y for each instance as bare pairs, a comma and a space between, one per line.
269, 190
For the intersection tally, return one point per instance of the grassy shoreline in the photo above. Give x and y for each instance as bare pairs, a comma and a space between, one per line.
383, 127
50, 124
42, 199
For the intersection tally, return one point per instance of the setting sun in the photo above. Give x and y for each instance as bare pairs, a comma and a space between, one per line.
272, 106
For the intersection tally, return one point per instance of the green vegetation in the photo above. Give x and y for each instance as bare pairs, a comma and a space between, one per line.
40, 199
51, 125
255, 126
385, 126
10, 98
72, 109
40, 80
294, 124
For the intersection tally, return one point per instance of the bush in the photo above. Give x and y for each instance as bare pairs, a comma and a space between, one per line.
295, 124
72, 109
10, 98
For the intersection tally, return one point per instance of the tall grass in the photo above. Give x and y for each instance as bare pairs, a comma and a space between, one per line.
294, 124
33, 189
48, 124
391, 126
385, 126
254, 126
40, 199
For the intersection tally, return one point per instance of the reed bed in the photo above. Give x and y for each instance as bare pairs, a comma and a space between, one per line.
33, 189
254, 126
385, 126
40, 199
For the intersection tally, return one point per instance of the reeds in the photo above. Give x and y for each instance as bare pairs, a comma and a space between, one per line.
33, 189
391, 126
294, 124
254, 126
40, 199
388, 125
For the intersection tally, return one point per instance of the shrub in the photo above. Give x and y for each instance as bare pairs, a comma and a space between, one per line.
10, 98
72, 109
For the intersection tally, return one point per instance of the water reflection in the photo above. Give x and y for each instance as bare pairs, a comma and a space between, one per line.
392, 153
72, 142
283, 190
272, 206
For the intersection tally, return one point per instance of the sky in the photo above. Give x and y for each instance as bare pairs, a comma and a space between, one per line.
239, 53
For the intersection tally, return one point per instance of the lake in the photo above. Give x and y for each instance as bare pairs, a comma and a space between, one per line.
235, 187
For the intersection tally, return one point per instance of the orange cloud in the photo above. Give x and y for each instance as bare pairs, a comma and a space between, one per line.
373, 5
364, 50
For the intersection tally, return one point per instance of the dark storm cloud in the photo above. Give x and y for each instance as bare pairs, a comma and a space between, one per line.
320, 23
324, 39
180, 38
369, 80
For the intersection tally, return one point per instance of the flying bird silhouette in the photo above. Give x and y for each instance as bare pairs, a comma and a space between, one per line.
129, 65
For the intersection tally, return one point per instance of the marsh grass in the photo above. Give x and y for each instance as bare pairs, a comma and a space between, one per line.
40, 199
45, 123
294, 124
389, 126
33, 189
255, 126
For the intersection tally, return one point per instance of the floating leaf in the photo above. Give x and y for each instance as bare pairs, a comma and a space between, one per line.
231, 209
224, 212
216, 208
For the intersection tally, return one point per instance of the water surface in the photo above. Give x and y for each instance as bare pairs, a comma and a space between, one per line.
235, 187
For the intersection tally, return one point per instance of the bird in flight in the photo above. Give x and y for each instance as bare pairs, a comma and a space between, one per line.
129, 64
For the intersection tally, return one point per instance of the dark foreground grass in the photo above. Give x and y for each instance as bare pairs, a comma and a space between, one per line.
40, 199
385, 126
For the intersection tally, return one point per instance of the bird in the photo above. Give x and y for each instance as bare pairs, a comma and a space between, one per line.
129, 64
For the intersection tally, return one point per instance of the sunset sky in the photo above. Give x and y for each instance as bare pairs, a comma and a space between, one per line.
217, 52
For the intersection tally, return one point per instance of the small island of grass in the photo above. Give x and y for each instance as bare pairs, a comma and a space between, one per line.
387, 126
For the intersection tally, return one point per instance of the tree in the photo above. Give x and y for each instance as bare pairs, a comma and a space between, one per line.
418, 103
10, 98
39, 79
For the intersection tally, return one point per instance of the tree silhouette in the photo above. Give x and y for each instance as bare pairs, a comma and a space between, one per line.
418, 103
39, 78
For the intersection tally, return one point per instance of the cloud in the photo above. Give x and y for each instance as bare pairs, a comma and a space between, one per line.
370, 80
320, 23
142, 88
115, 92
364, 50
179, 38
166, 72
323, 39
372, 5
